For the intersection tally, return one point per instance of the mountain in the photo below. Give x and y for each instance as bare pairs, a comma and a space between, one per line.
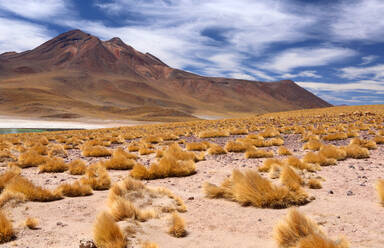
76, 74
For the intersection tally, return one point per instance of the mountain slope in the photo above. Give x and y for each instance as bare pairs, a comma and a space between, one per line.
76, 74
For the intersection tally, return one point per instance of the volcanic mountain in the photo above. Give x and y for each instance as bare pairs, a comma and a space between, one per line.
76, 74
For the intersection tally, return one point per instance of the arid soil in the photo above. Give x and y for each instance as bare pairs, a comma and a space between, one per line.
347, 205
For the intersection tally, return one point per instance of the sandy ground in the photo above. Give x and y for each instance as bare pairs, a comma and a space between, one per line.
346, 205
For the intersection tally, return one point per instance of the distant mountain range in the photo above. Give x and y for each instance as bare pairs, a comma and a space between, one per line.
77, 75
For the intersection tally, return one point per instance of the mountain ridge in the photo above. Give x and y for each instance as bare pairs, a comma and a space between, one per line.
110, 79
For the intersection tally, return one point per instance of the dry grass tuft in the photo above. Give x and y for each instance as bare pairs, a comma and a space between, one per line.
270, 132
30, 159
120, 160
249, 188
238, 131
77, 167
31, 223
53, 165
6, 229
332, 151
380, 190
95, 151
313, 183
75, 189
213, 134
215, 149
197, 146
106, 232
257, 153
298, 231
298, 164
148, 244
379, 139
177, 228
335, 136
268, 164
275, 171
283, 151
31, 192
312, 144
356, 151
97, 177
318, 158
369, 144
290, 178
232, 146
57, 150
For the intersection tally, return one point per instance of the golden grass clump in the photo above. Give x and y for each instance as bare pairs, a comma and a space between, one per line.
133, 147
120, 160
379, 139
77, 167
275, 142
267, 164
55, 164
177, 228
356, 151
283, 151
57, 150
121, 209
258, 153
275, 171
298, 231
31, 223
31, 192
249, 188
97, 177
232, 146
290, 178
318, 158
148, 244
30, 159
270, 132
106, 232
332, 151
380, 190
6, 176
197, 146
95, 151
213, 134
238, 131
312, 144
6, 229
369, 144
75, 189
152, 139
176, 152
335, 136
298, 164
216, 149
314, 183
167, 167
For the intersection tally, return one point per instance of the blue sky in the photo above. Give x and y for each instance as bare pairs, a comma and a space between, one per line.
333, 48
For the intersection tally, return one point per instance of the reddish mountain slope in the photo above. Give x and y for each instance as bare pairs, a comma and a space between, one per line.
76, 74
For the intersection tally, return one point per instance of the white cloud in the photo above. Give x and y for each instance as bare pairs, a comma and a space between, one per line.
363, 85
240, 75
36, 9
376, 72
16, 35
311, 74
359, 20
368, 59
290, 59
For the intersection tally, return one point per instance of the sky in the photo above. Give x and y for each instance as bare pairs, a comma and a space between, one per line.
333, 48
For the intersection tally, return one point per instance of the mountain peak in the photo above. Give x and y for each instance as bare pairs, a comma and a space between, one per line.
117, 41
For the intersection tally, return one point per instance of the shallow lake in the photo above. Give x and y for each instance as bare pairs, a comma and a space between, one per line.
29, 130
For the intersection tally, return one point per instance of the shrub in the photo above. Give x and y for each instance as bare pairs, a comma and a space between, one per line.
232, 146
145, 151
106, 232
298, 164
57, 150
95, 151
275, 142
75, 189
6, 229
31, 223
213, 134
268, 164
283, 151
296, 230
97, 177
356, 151
77, 167
177, 153
238, 131
275, 171
250, 188
379, 139
313, 145
152, 139
21, 185
270, 132
148, 244
197, 146
290, 178
257, 153
177, 228
53, 165
369, 144
121, 208
119, 161
313, 183
317, 158
7, 176
331, 151
30, 159
380, 190
133, 147
335, 136
215, 149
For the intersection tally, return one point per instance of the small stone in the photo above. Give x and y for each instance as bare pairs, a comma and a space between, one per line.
330, 192
338, 217
361, 168
191, 198
259, 220
349, 193
243, 165
352, 167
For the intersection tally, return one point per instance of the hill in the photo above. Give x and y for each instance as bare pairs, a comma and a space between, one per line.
77, 75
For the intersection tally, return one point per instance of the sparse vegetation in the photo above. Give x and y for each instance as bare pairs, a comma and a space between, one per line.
106, 232
177, 228
380, 190
7, 232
